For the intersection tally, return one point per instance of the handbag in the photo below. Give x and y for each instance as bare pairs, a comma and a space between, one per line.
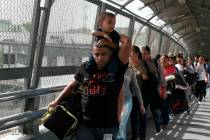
63, 120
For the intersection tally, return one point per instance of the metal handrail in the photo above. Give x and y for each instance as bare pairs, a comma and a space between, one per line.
24, 117
19, 119
4, 97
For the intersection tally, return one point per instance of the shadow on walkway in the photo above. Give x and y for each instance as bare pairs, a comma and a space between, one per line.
193, 126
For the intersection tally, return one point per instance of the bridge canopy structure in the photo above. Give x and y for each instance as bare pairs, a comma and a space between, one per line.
42, 42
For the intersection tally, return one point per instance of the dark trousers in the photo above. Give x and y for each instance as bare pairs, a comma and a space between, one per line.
165, 110
200, 89
135, 114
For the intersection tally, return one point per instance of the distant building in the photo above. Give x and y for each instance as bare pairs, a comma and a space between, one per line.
7, 26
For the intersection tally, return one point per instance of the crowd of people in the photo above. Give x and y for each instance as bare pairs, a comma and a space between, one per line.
122, 81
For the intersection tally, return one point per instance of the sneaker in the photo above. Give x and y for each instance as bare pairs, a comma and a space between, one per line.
133, 138
142, 138
158, 132
164, 127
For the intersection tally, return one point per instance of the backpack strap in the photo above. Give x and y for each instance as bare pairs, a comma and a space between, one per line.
156, 65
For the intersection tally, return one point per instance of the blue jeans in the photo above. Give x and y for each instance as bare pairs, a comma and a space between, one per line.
86, 133
124, 118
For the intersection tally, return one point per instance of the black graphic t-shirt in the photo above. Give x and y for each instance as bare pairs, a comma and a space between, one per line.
100, 99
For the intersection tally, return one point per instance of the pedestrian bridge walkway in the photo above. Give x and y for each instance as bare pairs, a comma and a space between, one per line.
193, 126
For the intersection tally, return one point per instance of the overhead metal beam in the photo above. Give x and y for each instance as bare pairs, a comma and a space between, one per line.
192, 38
183, 27
179, 19
124, 5
159, 12
195, 42
200, 8
147, 4
188, 33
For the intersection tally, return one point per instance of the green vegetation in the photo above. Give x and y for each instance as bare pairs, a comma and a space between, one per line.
27, 26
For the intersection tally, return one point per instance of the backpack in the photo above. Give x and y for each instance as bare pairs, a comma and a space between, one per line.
190, 77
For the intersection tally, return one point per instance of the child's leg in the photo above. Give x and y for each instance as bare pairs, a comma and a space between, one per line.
90, 64
112, 67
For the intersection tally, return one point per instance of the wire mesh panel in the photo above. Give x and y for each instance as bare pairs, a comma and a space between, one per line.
154, 42
171, 48
137, 29
53, 81
69, 37
140, 34
45, 100
122, 24
11, 107
165, 45
11, 85
15, 28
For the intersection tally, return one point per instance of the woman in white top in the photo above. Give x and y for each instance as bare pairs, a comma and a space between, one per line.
200, 86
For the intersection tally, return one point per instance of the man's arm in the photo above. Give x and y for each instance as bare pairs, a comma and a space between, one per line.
64, 93
125, 49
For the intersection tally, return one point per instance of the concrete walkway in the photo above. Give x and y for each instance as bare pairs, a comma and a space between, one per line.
193, 126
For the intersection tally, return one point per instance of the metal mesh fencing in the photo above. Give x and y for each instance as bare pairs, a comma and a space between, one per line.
11, 107
11, 85
15, 28
69, 37
53, 81
140, 37
154, 42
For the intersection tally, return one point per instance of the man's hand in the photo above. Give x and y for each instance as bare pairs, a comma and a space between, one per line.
103, 42
53, 104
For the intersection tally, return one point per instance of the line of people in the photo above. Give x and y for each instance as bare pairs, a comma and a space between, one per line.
121, 82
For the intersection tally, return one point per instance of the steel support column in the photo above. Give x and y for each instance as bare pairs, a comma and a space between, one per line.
148, 36
32, 104
160, 43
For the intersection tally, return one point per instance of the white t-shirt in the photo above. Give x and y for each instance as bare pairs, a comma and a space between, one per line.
201, 71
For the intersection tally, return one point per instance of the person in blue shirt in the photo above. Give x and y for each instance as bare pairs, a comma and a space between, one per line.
131, 89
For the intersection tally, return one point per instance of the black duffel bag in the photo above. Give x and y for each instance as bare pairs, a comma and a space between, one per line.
63, 120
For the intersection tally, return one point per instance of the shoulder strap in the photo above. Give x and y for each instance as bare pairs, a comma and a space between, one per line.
193, 66
157, 66
208, 68
147, 67
205, 66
